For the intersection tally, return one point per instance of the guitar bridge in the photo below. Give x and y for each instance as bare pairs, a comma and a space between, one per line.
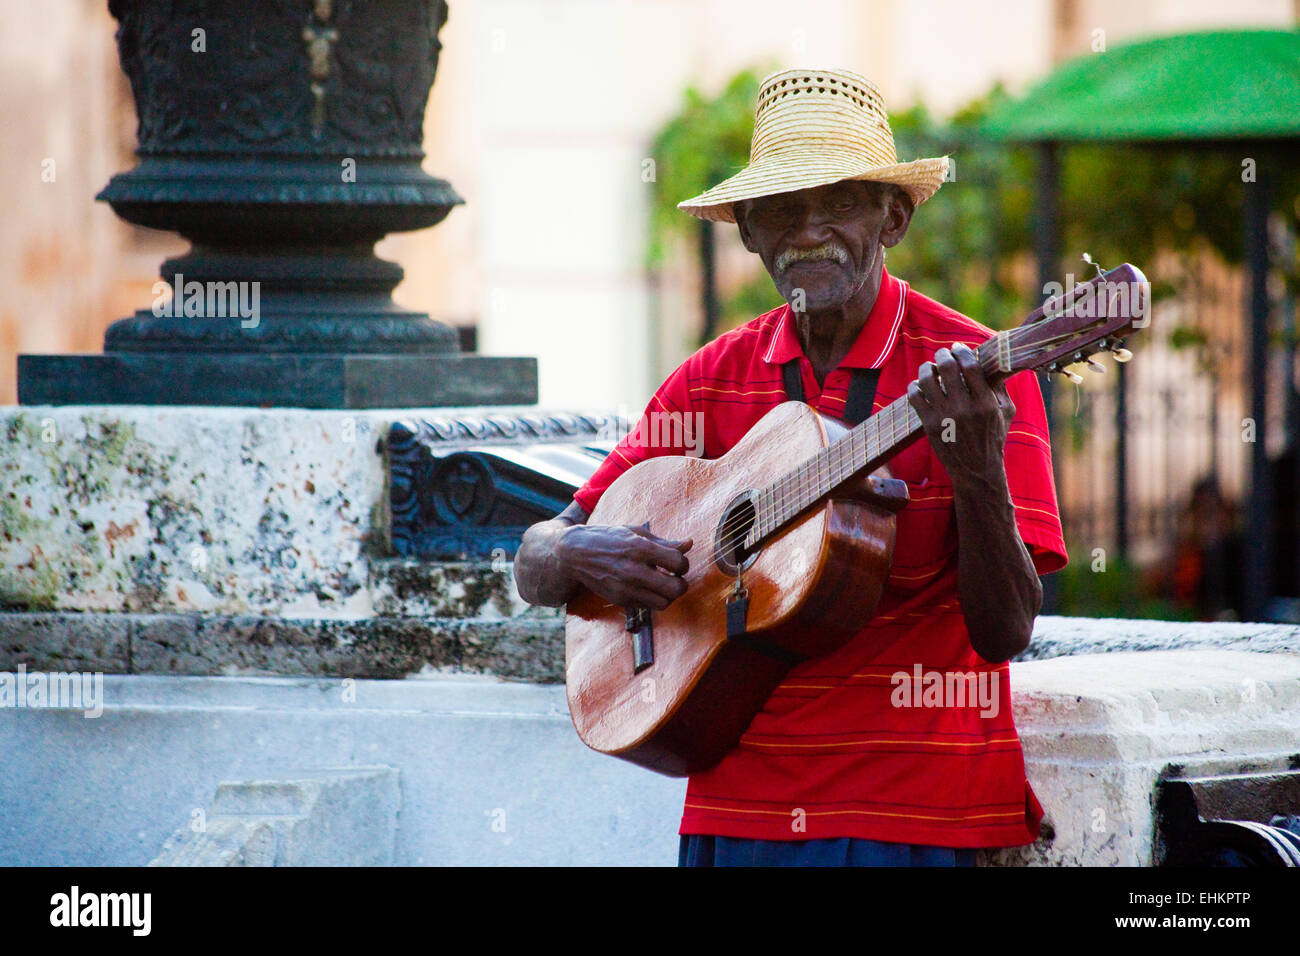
642, 631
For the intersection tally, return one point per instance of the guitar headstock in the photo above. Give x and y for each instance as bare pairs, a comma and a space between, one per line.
1074, 323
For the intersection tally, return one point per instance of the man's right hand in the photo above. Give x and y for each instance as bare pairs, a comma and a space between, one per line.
625, 565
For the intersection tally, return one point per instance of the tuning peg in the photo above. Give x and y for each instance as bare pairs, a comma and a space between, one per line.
1074, 377
1096, 366
1121, 355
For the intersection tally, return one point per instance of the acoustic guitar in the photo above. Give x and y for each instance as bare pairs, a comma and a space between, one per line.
787, 563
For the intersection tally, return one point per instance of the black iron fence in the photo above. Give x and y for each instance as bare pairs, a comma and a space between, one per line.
1153, 457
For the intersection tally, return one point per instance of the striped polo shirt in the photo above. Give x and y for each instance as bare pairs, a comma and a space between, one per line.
904, 734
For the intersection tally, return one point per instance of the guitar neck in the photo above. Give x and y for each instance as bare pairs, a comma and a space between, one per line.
1062, 330
870, 444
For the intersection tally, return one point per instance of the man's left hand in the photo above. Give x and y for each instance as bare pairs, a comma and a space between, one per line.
967, 421
965, 418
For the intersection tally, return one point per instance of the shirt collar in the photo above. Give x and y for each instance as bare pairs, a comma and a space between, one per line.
874, 342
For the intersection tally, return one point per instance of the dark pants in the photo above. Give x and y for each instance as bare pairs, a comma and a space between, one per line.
697, 850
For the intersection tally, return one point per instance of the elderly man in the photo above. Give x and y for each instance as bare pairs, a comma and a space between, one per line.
850, 763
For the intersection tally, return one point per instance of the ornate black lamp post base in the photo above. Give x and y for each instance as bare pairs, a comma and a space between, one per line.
283, 140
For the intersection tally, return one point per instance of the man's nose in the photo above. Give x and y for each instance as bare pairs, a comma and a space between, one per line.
811, 228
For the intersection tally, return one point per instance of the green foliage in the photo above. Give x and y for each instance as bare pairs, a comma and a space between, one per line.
1118, 203
707, 141
752, 298
1188, 338
961, 237
1126, 202
1115, 592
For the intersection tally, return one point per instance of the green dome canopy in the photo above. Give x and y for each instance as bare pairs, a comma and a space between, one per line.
1222, 85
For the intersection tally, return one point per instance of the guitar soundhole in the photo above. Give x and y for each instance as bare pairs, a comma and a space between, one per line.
729, 539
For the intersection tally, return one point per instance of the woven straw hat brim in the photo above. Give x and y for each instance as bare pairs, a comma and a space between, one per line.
920, 178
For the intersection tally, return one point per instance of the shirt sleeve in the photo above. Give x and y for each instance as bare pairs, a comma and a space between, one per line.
1028, 458
668, 426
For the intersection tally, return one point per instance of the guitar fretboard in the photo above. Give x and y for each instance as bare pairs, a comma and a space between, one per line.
870, 444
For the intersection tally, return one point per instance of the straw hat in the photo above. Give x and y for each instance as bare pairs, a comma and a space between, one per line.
813, 128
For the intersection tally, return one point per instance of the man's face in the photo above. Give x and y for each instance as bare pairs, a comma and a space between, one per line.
824, 241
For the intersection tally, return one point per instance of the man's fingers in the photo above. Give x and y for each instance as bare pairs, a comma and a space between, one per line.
640, 597
631, 583
948, 373
959, 372
666, 553
661, 589
670, 559
927, 382
628, 566
1005, 403
968, 365
918, 400
681, 544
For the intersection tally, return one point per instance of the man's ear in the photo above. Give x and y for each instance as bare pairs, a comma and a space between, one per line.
898, 217
738, 210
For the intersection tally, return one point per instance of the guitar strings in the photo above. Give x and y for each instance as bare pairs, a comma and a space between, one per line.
781, 495
897, 426
829, 468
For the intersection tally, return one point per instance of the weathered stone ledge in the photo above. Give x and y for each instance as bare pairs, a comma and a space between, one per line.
1062, 636
530, 647
527, 645
228, 511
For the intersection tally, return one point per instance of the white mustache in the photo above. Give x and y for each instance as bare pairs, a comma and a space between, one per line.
827, 250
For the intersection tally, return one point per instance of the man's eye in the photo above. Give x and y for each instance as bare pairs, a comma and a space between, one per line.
776, 217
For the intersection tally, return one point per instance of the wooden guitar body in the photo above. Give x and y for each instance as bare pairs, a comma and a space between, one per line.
810, 588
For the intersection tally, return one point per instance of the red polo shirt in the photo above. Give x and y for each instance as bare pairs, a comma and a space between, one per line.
874, 740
